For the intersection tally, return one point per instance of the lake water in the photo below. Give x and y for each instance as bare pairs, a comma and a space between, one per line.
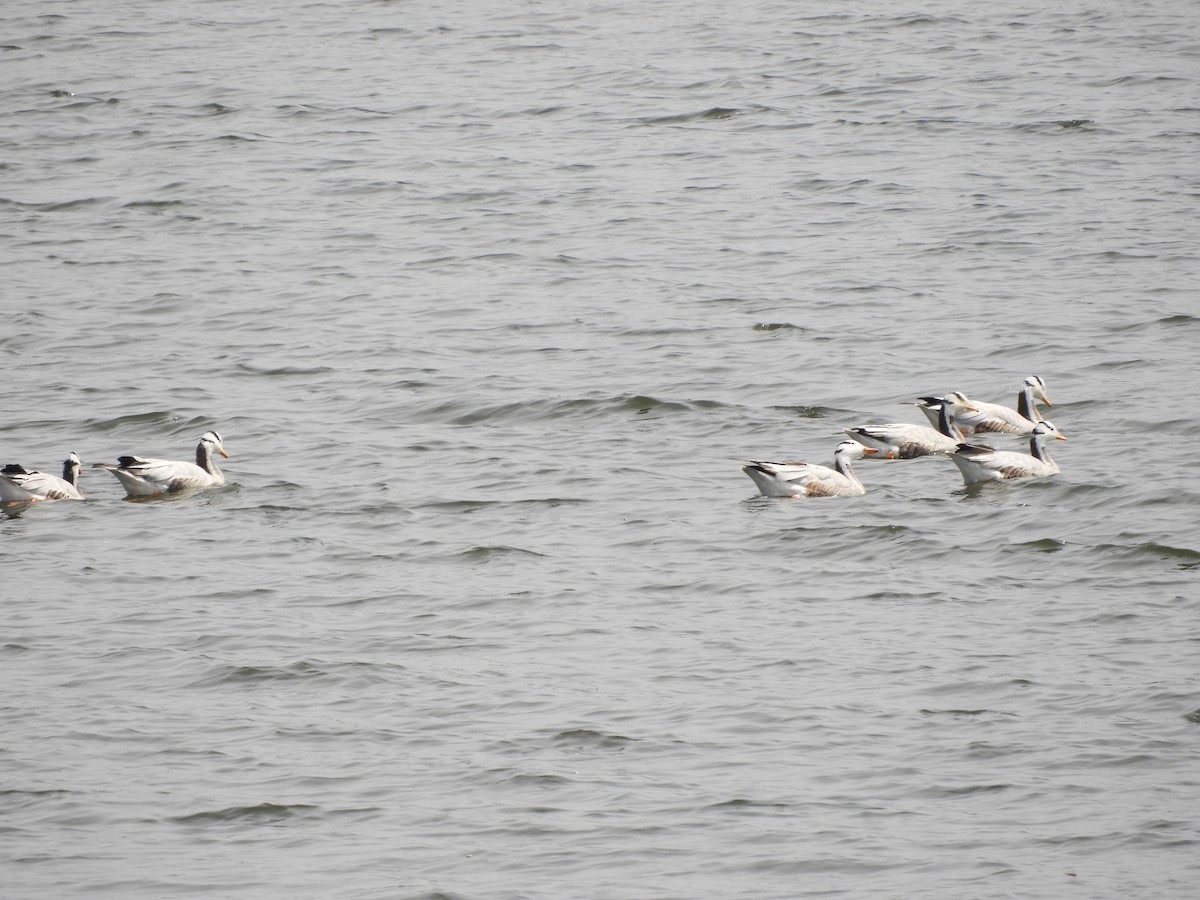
490, 303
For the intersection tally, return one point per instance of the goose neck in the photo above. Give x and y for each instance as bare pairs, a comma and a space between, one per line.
204, 459
946, 424
1027, 405
1038, 448
842, 464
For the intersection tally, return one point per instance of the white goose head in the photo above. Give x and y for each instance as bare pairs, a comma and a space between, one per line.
957, 401
71, 466
846, 451
1044, 431
1037, 386
850, 450
212, 441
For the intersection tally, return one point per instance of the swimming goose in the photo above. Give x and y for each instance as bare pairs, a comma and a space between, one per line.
932, 407
21, 485
992, 417
900, 440
801, 479
979, 463
152, 477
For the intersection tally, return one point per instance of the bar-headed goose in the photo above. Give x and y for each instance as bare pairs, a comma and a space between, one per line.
901, 440
932, 407
979, 463
801, 479
152, 477
21, 485
993, 417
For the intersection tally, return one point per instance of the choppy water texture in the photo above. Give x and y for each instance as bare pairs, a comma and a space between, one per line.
490, 302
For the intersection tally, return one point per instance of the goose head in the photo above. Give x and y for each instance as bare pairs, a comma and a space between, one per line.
1044, 431
1037, 386
956, 402
848, 450
210, 441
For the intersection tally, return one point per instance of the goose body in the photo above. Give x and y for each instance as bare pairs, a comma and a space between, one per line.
993, 417
901, 440
154, 477
21, 485
801, 479
979, 463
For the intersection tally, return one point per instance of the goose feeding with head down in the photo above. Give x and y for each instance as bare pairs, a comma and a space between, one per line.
153, 477
932, 407
901, 440
801, 479
994, 417
979, 463
21, 485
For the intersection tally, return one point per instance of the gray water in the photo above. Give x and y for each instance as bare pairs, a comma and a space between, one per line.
490, 302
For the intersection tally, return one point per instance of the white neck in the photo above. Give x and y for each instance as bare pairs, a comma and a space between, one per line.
1038, 450
1027, 406
841, 462
946, 424
204, 458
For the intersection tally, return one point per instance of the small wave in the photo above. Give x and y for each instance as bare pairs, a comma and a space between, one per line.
532, 111
744, 804
284, 371
811, 412
915, 20
57, 206
258, 674
966, 790
153, 205
1181, 320
1042, 545
154, 417
964, 713
588, 738
216, 109
544, 780
1178, 321
486, 553
893, 595
261, 814
470, 506
18, 799
1123, 618
778, 326
714, 113
885, 530
1057, 125
459, 413
1184, 557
